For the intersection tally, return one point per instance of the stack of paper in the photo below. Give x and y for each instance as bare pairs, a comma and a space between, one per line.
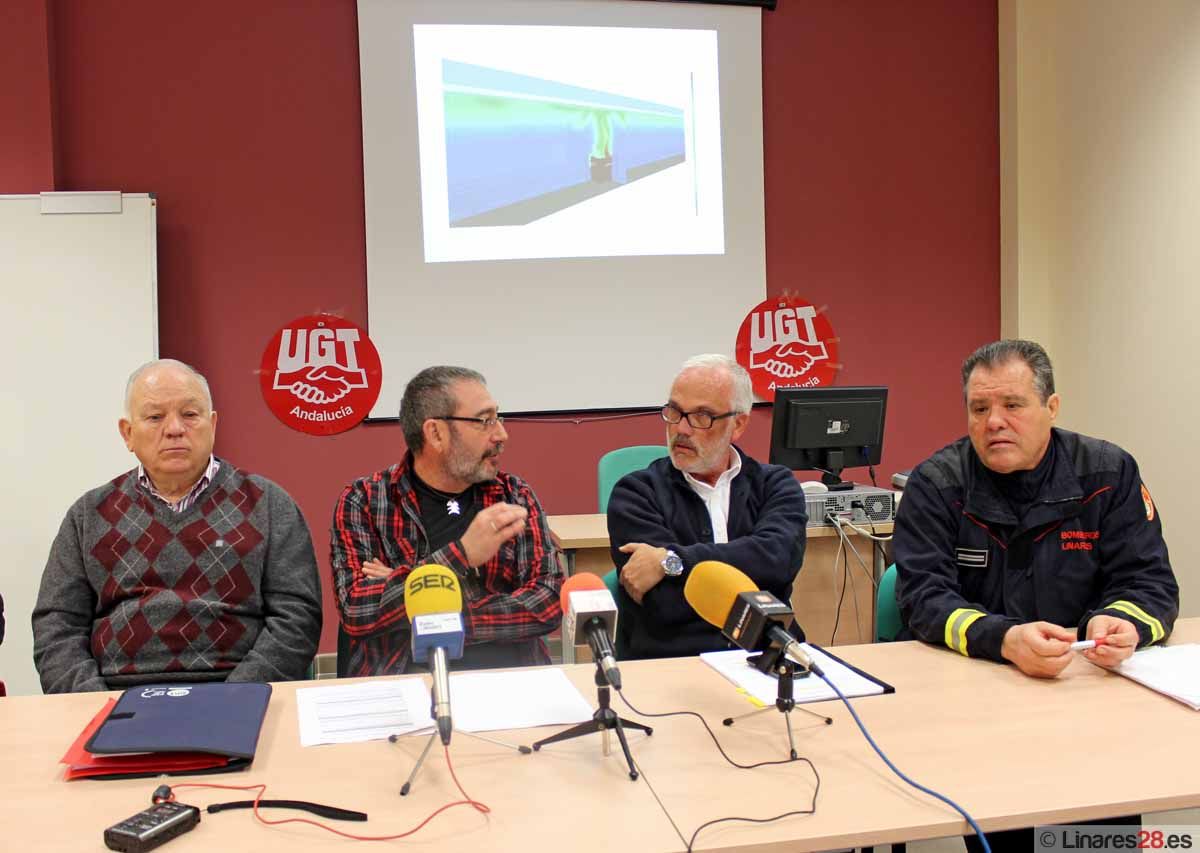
764, 688
1171, 670
479, 702
350, 713
520, 699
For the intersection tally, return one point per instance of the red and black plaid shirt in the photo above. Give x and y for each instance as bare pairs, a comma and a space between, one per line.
513, 597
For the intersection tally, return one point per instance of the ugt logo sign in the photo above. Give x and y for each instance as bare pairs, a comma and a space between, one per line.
785, 341
319, 365
320, 374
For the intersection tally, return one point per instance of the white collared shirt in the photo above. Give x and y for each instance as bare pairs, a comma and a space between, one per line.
716, 498
185, 502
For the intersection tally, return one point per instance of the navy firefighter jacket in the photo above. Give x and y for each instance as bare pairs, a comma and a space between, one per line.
1091, 543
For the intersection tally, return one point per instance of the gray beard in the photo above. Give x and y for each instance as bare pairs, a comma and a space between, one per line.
468, 469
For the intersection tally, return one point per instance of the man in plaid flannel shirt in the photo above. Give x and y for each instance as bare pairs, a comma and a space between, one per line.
446, 502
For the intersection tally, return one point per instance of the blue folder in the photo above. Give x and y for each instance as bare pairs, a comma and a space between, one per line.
218, 718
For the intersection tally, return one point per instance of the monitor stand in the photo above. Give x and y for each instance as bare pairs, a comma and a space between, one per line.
831, 474
835, 483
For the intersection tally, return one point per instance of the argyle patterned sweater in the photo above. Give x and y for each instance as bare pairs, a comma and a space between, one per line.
134, 592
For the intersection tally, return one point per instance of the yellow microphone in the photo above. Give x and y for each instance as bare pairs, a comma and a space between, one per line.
433, 598
432, 589
712, 587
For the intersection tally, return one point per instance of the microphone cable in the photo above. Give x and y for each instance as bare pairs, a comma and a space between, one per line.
690, 843
840, 556
970, 820
258, 802
724, 755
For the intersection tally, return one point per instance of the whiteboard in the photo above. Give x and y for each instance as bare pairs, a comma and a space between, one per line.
82, 292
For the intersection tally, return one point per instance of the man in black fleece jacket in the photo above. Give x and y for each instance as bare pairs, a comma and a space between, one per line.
707, 501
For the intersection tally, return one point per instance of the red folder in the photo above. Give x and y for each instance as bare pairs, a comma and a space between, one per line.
82, 764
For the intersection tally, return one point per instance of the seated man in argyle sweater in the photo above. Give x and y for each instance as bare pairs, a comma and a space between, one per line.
445, 502
183, 569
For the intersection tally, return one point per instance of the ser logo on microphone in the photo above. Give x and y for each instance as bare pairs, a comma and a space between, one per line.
432, 581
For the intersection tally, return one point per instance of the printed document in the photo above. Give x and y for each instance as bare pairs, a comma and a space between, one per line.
1171, 670
349, 713
764, 688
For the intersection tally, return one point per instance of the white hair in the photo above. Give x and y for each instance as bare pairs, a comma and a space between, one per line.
165, 362
743, 393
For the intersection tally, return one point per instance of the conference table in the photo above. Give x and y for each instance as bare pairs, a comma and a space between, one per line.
1012, 750
815, 593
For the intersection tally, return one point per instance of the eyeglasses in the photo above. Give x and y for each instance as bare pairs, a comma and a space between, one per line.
697, 419
487, 423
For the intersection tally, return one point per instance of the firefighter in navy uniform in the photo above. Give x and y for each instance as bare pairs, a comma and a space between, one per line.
1020, 538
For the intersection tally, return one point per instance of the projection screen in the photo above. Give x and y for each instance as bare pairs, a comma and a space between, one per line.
566, 195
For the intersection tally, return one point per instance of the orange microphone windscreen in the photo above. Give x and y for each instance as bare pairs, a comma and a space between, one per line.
579, 583
711, 588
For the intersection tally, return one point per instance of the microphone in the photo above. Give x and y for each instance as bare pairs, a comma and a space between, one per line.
588, 608
434, 602
752, 618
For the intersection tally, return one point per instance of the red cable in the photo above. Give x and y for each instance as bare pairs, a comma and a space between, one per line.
262, 789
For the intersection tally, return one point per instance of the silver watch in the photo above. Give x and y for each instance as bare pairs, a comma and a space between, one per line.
672, 565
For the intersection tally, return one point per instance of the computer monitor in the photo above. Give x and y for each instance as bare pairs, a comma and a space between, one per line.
828, 430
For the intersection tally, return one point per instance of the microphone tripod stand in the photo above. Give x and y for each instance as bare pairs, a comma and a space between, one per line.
603, 720
785, 671
407, 786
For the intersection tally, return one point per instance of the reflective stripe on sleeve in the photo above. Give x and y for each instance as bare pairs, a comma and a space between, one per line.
956, 628
1131, 609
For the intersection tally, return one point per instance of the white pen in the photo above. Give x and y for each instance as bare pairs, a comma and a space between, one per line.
1087, 644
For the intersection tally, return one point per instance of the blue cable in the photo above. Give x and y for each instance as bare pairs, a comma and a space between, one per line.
979, 832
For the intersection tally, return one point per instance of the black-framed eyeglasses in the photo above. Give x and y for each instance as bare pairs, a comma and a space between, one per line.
698, 419
488, 423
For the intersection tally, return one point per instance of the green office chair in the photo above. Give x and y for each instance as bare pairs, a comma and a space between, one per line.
887, 609
612, 467
617, 463
610, 581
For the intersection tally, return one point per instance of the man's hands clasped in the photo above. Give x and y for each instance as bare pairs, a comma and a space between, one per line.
1043, 649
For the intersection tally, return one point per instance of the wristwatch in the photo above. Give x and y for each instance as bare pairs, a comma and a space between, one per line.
672, 565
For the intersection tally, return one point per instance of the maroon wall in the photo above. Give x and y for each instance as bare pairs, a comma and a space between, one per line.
26, 98
882, 202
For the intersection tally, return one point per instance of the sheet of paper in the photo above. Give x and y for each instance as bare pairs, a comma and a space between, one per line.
763, 688
516, 699
374, 710
1171, 670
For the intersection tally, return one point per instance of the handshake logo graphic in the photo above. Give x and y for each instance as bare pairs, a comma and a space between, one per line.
785, 341
319, 366
778, 346
320, 374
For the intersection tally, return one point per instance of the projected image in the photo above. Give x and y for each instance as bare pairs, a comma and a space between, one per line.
519, 148
539, 142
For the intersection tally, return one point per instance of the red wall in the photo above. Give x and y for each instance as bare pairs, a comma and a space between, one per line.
882, 201
26, 98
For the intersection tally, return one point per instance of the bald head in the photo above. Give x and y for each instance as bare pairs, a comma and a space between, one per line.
169, 424
151, 370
